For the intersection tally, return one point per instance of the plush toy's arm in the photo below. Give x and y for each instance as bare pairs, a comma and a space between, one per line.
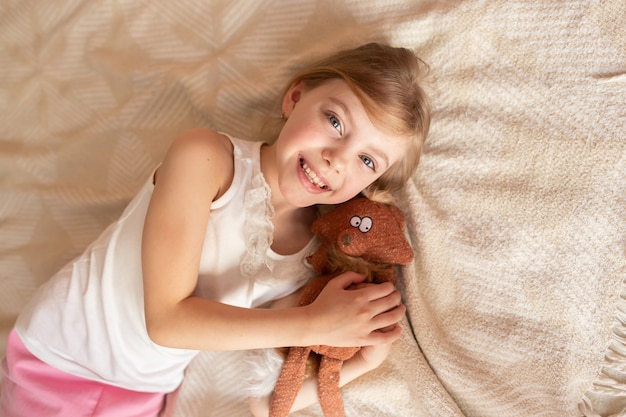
310, 291
319, 259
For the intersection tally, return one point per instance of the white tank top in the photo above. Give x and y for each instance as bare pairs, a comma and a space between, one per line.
88, 319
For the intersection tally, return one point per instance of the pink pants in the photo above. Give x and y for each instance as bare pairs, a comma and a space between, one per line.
29, 387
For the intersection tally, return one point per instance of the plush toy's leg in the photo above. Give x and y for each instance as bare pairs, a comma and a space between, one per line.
328, 386
289, 381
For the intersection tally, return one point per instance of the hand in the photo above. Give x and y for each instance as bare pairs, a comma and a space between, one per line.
363, 285
371, 357
341, 316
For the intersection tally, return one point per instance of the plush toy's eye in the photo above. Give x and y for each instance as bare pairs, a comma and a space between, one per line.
355, 221
366, 224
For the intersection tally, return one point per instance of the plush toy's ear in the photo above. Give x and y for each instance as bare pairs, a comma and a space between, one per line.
399, 248
398, 216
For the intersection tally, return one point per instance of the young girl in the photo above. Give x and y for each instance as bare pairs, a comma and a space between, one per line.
221, 228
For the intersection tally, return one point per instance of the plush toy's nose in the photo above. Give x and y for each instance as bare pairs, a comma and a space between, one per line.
346, 239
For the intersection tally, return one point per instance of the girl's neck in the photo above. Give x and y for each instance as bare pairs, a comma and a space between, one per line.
292, 224
268, 167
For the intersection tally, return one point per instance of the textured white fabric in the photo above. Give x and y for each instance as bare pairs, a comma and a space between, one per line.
89, 320
517, 212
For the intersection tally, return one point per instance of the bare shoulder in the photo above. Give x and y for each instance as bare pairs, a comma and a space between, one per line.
204, 138
205, 143
205, 155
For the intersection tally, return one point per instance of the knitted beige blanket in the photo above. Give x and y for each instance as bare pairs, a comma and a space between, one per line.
516, 299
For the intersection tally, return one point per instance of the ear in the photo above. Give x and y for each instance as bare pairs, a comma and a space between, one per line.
398, 216
292, 96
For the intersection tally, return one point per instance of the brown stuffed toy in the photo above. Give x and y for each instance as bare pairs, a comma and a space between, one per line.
362, 236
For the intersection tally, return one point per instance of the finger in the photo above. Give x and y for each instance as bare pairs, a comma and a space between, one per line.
386, 329
382, 338
347, 279
377, 291
386, 303
389, 318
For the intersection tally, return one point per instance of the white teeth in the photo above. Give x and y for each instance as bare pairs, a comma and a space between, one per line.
313, 176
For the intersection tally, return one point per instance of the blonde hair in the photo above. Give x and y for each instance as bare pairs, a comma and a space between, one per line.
387, 80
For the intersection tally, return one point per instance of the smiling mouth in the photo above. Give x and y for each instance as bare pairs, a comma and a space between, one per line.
312, 176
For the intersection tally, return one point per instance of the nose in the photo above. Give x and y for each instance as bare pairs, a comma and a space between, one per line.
335, 157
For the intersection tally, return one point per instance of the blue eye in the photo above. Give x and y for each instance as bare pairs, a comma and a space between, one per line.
334, 121
368, 162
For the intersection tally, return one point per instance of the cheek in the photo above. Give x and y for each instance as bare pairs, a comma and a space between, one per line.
291, 139
350, 190
365, 176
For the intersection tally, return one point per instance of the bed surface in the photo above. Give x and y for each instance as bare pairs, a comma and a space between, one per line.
516, 299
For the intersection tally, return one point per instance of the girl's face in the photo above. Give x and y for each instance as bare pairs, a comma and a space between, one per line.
328, 150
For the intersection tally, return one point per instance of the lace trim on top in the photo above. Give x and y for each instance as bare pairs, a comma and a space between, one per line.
258, 230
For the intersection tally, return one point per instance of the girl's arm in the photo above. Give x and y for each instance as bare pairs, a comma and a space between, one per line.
367, 359
197, 169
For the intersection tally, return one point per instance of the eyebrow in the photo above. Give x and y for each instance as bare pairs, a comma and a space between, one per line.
341, 104
380, 154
